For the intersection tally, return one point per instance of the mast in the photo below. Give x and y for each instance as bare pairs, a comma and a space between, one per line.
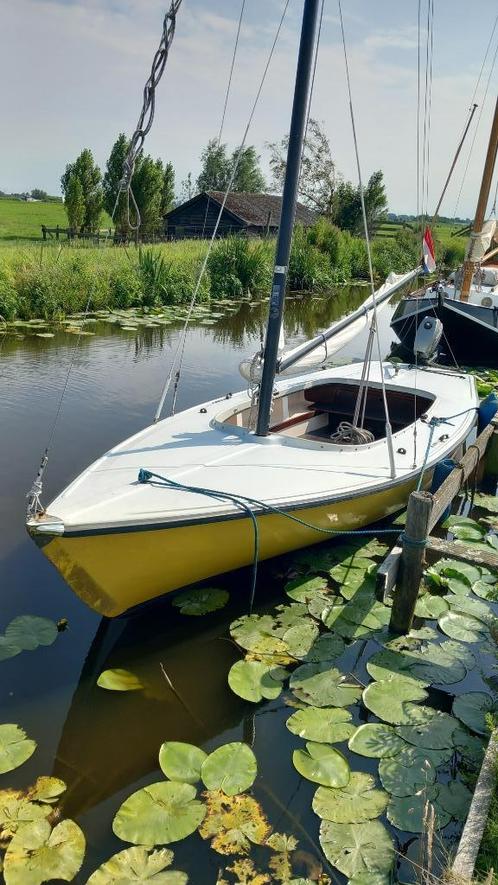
289, 199
487, 177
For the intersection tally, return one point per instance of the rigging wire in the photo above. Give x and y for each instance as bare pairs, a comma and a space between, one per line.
180, 350
227, 95
374, 329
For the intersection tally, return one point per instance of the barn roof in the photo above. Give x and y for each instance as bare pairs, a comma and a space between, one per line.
253, 209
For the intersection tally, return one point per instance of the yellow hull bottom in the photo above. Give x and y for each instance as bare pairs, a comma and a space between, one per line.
117, 571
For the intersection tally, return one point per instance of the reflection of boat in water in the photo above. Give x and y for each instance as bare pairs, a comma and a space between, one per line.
111, 739
466, 303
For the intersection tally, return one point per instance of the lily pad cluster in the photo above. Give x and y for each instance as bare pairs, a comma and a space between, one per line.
38, 846
26, 633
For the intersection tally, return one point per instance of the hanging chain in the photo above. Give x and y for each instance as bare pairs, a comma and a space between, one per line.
146, 117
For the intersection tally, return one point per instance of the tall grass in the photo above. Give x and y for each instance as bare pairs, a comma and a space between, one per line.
51, 281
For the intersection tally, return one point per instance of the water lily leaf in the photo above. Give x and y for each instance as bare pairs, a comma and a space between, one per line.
46, 789
467, 605
8, 649
387, 663
409, 813
322, 724
371, 879
486, 502
405, 780
469, 746
15, 747
38, 853
305, 587
159, 814
300, 637
375, 740
256, 634
464, 571
463, 627
322, 765
119, 680
280, 864
393, 700
464, 528
485, 590
357, 848
181, 762
16, 811
325, 648
487, 575
27, 632
356, 582
355, 803
435, 734
233, 822
231, 768
201, 601
429, 606
438, 665
137, 864
246, 873
255, 680
322, 686
471, 708
282, 842
287, 616
455, 798
412, 755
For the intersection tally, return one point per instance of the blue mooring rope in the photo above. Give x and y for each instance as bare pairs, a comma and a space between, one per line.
247, 504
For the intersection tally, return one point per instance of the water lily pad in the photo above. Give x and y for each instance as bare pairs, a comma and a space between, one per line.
322, 724
375, 740
46, 789
439, 665
357, 848
355, 803
486, 590
305, 587
405, 780
181, 762
393, 700
435, 734
356, 582
323, 686
322, 765
233, 823
15, 747
455, 798
16, 810
138, 864
256, 634
465, 628
27, 632
387, 663
469, 746
159, 814
119, 680
409, 813
464, 528
255, 680
8, 649
430, 606
410, 755
300, 637
472, 707
201, 601
38, 853
486, 502
231, 768
325, 648
467, 605
370, 879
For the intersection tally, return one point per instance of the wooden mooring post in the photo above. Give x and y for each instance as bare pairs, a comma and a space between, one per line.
404, 566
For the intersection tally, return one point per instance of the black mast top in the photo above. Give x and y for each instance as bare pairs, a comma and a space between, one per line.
294, 153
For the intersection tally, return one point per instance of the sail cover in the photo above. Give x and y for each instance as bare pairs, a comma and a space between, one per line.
480, 243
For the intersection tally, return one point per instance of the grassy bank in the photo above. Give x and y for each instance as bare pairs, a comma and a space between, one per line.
51, 282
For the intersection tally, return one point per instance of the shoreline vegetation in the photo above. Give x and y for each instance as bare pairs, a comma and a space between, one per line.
52, 281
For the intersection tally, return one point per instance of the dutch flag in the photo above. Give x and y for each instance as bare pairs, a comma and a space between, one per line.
429, 258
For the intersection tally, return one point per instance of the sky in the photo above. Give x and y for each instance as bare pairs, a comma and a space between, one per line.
72, 73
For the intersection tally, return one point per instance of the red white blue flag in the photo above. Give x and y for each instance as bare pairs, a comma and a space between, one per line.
429, 258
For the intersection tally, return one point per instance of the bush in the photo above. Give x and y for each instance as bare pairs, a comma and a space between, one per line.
9, 302
309, 268
239, 267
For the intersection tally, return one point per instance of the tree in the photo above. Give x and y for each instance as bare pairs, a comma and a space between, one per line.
248, 177
75, 202
347, 213
38, 194
375, 201
168, 194
187, 188
89, 175
319, 179
147, 185
215, 167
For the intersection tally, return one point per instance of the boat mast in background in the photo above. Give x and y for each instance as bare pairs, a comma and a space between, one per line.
289, 198
470, 265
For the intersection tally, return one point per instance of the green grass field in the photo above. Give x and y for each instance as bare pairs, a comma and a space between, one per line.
22, 222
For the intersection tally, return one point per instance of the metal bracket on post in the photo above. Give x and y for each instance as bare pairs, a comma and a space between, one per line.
414, 541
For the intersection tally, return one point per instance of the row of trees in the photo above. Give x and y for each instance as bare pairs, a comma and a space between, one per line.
322, 188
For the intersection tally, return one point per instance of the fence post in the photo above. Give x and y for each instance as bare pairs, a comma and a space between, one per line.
412, 560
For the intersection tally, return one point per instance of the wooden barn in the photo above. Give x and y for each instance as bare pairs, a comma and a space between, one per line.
251, 214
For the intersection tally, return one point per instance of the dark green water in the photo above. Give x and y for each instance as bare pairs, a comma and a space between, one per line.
104, 744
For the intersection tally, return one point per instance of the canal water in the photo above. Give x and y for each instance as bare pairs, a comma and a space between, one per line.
105, 744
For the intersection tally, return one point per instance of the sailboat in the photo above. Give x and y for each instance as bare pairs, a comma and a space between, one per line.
268, 470
467, 302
